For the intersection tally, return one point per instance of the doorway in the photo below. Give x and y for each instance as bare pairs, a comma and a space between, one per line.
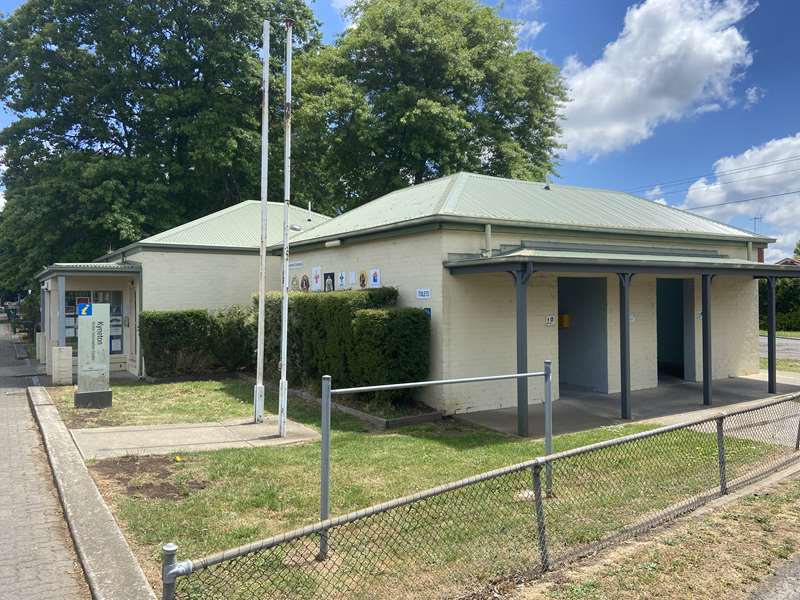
675, 330
582, 333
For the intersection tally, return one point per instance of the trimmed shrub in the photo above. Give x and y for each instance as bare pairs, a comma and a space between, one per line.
390, 346
232, 338
175, 342
320, 332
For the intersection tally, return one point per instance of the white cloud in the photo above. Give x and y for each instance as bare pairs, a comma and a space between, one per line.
673, 59
528, 30
2, 170
341, 4
752, 96
2, 199
778, 171
656, 194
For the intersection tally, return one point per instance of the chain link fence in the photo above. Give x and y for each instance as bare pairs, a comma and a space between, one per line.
462, 539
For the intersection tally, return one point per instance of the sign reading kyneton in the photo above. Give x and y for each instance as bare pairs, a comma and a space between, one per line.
93, 331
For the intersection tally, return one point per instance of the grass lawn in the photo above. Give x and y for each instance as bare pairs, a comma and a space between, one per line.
137, 403
790, 334
720, 555
206, 502
784, 364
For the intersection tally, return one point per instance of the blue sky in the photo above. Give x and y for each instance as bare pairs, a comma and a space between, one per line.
701, 91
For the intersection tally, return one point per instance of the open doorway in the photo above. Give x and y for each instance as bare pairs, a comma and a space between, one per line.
582, 339
675, 330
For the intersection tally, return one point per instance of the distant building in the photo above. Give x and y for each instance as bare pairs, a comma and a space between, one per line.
789, 260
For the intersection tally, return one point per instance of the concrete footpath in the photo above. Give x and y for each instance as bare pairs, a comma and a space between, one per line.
784, 585
106, 442
37, 557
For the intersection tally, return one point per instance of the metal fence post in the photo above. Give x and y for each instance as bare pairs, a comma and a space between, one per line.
540, 521
797, 440
723, 483
548, 425
325, 465
168, 552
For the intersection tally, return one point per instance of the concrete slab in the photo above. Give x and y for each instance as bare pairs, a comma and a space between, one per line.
107, 442
579, 410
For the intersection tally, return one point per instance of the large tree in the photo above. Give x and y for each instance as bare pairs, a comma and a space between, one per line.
418, 89
132, 116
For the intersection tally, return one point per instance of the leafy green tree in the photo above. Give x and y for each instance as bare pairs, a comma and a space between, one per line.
797, 249
132, 116
419, 89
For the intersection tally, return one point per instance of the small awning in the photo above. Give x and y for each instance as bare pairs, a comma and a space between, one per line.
608, 259
89, 269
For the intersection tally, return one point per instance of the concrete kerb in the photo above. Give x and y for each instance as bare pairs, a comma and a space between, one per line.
111, 569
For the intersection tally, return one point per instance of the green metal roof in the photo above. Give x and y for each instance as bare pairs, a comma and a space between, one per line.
472, 198
237, 227
67, 268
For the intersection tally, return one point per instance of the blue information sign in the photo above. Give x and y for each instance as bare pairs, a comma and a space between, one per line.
84, 310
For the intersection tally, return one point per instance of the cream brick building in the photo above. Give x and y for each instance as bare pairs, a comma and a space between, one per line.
501, 263
209, 263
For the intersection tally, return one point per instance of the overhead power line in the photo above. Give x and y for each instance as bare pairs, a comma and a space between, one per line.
719, 184
741, 201
685, 180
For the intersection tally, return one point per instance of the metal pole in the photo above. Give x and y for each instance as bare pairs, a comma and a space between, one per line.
625, 344
283, 389
797, 440
168, 552
707, 371
723, 482
258, 390
540, 521
548, 425
772, 350
521, 288
325, 465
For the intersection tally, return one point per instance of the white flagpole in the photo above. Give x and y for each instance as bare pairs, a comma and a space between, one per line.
258, 390
283, 390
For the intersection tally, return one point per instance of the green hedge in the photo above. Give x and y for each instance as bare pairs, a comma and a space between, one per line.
356, 337
390, 346
187, 342
175, 342
320, 340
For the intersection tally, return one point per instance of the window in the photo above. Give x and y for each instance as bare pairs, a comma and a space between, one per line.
113, 298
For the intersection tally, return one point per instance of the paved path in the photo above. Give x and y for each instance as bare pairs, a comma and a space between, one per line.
787, 347
37, 558
784, 585
106, 442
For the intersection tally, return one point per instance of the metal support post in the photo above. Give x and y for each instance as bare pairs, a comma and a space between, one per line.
625, 343
258, 388
723, 481
325, 466
62, 308
772, 350
168, 552
540, 520
797, 439
707, 370
521, 279
548, 425
283, 387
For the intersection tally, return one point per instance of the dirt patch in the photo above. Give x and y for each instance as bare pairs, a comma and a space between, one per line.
149, 477
83, 418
